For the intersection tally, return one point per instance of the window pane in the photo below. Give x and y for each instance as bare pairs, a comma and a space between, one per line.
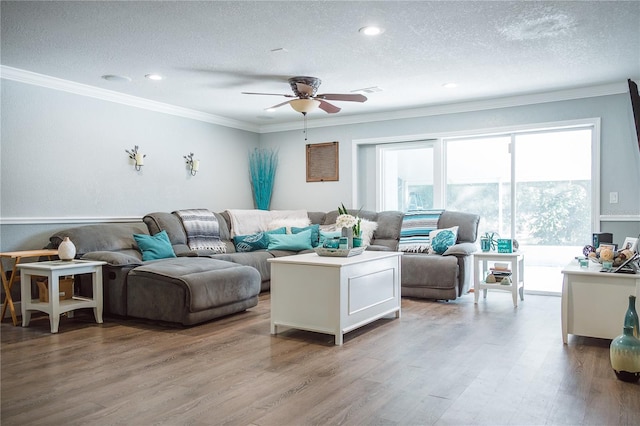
407, 177
553, 176
479, 181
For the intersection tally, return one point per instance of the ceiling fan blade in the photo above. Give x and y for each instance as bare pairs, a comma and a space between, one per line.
327, 107
279, 105
269, 94
305, 89
342, 97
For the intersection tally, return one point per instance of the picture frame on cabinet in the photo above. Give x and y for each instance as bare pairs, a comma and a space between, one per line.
630, 243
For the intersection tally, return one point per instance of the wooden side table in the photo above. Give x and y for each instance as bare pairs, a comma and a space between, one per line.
53, 270
480, 265
7, 283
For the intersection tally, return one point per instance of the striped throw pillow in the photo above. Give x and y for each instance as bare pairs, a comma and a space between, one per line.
416, 226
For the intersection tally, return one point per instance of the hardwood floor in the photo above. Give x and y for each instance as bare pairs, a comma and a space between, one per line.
441, 363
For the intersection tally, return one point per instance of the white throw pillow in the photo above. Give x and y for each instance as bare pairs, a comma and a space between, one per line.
367, 229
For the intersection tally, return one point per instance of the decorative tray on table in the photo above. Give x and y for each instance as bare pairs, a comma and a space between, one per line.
339, 252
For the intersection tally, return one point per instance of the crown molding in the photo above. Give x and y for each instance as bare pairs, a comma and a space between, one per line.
29, 77
460, 107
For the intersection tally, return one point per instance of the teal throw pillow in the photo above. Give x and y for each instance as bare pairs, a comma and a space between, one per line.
252, 242
315, 233
154, 247
292, 242
442, 241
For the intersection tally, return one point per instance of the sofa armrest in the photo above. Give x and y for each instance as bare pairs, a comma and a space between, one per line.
113, 258
461, 249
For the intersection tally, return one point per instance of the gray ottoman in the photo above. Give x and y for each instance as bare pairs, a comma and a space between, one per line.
190, 290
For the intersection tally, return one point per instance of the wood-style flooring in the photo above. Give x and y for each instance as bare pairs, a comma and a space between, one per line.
444, 363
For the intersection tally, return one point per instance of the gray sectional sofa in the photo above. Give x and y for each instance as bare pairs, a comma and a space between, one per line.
197, 286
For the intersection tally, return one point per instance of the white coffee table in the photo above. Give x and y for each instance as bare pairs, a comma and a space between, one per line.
334, 295
53, 270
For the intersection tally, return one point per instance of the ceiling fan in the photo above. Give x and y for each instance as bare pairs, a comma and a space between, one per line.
306, 100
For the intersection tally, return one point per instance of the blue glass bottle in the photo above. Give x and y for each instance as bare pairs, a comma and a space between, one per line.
631, 317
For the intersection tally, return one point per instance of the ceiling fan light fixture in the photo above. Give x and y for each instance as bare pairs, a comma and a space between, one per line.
304, 105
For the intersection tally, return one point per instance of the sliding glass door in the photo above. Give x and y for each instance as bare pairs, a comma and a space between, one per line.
532, 186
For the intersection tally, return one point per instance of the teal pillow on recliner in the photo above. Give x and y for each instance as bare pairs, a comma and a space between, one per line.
154, 247
442, 239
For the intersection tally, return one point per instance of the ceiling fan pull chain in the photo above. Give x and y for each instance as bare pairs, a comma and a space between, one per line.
305, 125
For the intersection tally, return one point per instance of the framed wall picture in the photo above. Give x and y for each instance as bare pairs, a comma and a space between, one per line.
630, 244
322, 162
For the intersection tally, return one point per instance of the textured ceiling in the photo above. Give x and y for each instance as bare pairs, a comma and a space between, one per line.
211, 51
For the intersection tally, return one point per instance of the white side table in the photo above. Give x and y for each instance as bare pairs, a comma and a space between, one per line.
53, 270
481, 267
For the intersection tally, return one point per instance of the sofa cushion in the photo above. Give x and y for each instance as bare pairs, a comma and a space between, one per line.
154, 247
416, 227
467, 224
315, 233
258, 241
293, 242
100, 237
115, 258
206, 282
461, 249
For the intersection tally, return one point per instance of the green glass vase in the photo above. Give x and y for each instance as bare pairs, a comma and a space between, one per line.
631, 317
624, 353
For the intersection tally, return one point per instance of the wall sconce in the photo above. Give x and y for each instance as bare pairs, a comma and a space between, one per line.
194, 165
136, 157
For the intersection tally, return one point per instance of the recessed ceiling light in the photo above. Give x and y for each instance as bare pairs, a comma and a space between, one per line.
116, 78
154, 77
371, 30
450, 85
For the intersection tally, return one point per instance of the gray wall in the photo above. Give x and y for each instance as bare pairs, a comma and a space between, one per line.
64, 161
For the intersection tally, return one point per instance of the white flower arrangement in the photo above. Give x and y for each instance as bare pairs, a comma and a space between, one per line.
346, 221
349, 221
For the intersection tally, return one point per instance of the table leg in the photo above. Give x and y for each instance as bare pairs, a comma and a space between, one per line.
96, 278
25, 292
476, 281
515, 281
54, 301
8, 300
564, 308
521, 276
